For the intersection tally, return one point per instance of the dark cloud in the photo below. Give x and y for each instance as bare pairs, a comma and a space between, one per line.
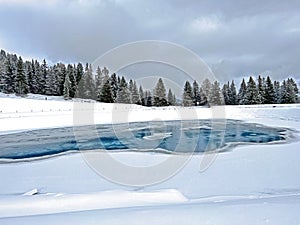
235, 37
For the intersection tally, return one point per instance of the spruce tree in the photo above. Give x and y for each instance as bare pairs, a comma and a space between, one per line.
123, 95
142, 95
42, 77
206, 88
242, 93
79, 73
71, 74
114, 86
215, 94
135, 97
89, 85
277, 97
226, 93
9, 77
159, 94
21, 84
67, 87
233, 99
261, 90
170, 97
251, 92
187, 98
196, 93
269, 97
149, 99
105, 94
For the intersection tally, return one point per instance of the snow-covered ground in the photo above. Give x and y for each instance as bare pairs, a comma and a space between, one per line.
252, 184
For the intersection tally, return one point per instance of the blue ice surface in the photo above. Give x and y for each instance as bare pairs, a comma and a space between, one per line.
172, 136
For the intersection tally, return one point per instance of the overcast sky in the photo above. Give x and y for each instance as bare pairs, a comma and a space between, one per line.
235, 37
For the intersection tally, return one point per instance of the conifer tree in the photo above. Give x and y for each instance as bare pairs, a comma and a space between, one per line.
226, 93
206, 88
114, 86
142, 95
215, 94
159, 94
196, 93
251, 92
123, 95
187, 98
170, 97
242, 93
21, 84
269, 97
261, 90
135, 97
277, 95
67, 87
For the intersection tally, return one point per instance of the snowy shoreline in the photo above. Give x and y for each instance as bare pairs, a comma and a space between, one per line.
257, 181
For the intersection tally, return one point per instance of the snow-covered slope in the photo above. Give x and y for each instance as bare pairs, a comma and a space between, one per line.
253, 184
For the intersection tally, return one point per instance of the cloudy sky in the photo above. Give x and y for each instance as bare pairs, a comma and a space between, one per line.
235, 37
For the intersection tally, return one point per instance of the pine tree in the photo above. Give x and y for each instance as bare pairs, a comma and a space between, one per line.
79, 73
149, 99
36, 71
251, 92
135, 97
277, 97
21, 84
105, 94
261, 90
196, 93
60, 71
242, 93
295, 87
9, 77
99, 79
67, 87
42, 77
233, 99
123, 95
203, 98
170, 97
215, 94
269, 97
71, 74
225, 93
160, 94
187, 98
206, 88
89, 85
142, 95
114, 86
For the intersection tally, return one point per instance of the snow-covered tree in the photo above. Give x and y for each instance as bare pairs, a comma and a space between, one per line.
159, 94
215, 94
170, 97
142, 96
269, 97
67, 87
196, 93
123, 95
261, 90
242, 93
251, 92
21, 83
225, 93
187, 97
206, 89
135, 97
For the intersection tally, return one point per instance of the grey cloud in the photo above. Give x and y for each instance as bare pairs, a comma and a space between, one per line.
251, 36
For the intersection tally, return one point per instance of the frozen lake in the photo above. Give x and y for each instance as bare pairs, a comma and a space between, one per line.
163, 136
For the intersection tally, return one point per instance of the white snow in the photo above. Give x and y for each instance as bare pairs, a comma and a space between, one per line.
252, 184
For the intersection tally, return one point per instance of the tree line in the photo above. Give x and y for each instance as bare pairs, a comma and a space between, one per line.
77, 80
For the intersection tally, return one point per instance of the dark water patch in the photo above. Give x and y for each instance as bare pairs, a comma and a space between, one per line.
169, 136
